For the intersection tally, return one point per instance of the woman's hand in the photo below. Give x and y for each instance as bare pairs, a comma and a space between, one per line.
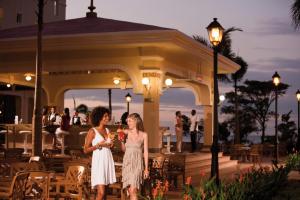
146, 173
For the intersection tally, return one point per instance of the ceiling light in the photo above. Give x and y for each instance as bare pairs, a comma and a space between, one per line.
28, 77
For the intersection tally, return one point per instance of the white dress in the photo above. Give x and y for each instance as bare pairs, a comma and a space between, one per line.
103, 167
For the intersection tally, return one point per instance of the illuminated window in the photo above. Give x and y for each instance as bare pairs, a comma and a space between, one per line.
55, 7
19, 18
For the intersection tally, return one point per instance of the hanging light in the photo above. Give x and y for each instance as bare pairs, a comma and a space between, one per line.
28, 77
116, 80
8, 85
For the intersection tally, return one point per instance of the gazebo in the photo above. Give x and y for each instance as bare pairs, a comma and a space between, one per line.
91, 52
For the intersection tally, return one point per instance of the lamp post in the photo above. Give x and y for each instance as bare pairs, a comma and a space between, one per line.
128, 100
298, 139
276, 81
215, 33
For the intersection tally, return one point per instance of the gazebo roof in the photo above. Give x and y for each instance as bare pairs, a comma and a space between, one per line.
79, 26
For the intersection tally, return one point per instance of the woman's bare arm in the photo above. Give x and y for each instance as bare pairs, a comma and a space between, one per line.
88, 142
146, 154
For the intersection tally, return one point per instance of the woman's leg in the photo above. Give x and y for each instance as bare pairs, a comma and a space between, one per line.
100, 192
133, 193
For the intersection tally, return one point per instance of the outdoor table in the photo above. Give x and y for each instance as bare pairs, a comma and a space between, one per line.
168, 146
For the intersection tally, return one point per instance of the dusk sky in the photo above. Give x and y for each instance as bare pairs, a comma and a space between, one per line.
268, 43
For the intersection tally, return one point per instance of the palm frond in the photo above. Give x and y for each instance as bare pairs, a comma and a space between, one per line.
295, 12
202, 40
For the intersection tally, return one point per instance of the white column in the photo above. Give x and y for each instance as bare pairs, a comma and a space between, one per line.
151, 108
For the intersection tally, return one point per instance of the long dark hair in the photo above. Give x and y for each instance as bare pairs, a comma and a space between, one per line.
139, 121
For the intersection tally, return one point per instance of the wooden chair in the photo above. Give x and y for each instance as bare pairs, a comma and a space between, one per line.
70, 186
236, 151
16, 190
77, 154
176, 168
37, 186
86, 163
157, 168
118, 185
256, 152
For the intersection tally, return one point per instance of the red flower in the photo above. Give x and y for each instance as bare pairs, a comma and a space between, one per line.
167, 186
202, 173
186, 197
188, 180
154, 192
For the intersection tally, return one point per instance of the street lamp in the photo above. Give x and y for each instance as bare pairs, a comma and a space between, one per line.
298, 99
215, 34
128, 100
276, 81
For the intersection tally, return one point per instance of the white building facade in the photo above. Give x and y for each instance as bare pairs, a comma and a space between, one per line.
17, 13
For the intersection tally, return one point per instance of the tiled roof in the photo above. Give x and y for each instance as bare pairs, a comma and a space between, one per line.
78, 26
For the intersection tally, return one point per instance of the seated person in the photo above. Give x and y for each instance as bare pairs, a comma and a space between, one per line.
65, 122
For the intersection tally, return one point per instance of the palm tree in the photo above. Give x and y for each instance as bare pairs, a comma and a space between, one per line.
225, 49
295, 11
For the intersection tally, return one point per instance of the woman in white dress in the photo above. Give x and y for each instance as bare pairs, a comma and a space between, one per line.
98, 142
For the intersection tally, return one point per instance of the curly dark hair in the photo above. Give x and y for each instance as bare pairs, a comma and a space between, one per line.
97, 115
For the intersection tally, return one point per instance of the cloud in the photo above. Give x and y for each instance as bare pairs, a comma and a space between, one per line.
274, 27
275, 64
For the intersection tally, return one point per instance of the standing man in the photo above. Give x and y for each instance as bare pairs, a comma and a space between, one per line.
76, 119
53, 117
53, 121
194, 119
178, 130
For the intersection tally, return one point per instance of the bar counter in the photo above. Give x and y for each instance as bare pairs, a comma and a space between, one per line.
72, 141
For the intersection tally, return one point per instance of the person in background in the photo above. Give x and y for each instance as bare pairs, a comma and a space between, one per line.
99, 142
53, 117
64, 122
194, 120
136, 151
124, 118
45, 116
178, 130
53, 120
76, 119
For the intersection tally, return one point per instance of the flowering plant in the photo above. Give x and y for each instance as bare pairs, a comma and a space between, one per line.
250, 184
159, 191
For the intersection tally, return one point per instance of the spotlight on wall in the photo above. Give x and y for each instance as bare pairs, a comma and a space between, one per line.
146, 83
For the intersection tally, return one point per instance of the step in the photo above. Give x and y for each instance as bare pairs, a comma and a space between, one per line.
202, 163
197, 171
225, 174
199, 156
